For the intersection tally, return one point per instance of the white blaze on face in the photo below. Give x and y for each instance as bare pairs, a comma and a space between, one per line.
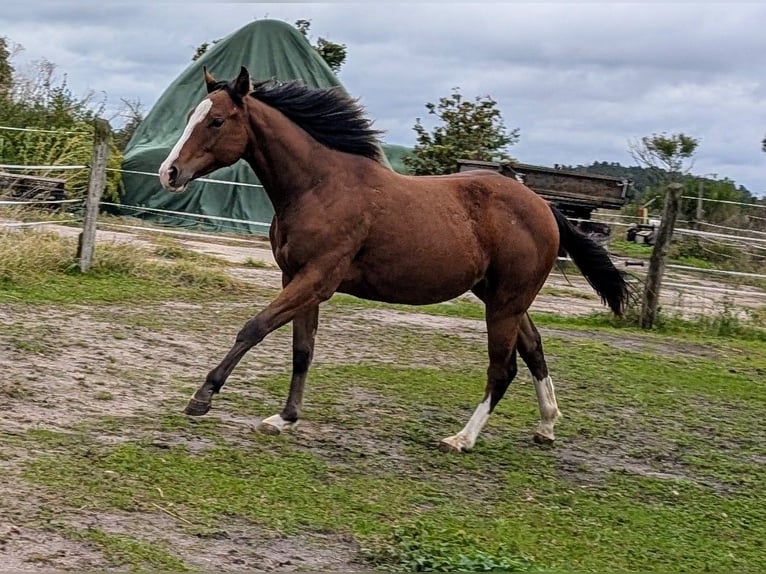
199, 115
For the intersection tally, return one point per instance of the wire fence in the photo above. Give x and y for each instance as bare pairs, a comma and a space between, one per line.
186, 214
194, 216
726, 201
43, 167
43, 131
698, 294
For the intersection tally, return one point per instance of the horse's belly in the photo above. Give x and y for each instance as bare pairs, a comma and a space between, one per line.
401, 294
416, 278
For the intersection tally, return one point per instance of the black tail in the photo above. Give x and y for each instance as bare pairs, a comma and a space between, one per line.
593, 262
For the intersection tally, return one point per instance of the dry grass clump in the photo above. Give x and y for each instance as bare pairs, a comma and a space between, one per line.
29, 256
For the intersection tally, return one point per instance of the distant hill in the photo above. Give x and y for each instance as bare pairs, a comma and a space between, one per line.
643, 178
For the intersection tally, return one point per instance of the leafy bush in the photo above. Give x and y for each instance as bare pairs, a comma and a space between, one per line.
65, 148
692, 251
37, 98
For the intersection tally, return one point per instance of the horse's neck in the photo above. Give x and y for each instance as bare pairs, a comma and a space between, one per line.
287, 161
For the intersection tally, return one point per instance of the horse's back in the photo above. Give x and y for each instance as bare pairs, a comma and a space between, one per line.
486, 198
513, 194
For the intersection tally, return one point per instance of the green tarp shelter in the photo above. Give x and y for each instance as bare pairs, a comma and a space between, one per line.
269, 49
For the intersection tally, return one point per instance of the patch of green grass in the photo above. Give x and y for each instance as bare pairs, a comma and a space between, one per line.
121, 550
421, 547
642, 251
284, 492
626, 523
645, 523
691, 261
722, 325
508, 504
87, 289
630, 249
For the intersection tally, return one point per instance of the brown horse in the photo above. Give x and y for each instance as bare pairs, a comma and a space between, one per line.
345, 222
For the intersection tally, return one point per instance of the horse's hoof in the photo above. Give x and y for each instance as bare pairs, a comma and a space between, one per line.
267, 428
275, 424
542, 439
444, 446
453, 444
197, 408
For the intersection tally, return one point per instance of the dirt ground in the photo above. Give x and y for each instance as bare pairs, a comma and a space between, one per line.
63, 366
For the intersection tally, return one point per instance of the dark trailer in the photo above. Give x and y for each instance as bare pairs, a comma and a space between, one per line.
576, 194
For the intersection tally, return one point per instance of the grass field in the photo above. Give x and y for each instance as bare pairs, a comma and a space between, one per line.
659, 464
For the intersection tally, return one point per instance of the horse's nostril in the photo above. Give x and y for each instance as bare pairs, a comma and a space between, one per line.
172, 174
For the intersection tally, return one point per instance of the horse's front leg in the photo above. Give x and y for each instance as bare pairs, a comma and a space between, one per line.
304, 332
310, 287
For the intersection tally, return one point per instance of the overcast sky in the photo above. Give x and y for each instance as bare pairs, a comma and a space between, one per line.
579, 80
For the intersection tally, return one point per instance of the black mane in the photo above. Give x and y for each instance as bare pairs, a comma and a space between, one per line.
329, 115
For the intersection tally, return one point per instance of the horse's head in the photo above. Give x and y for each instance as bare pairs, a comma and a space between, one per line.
216, 133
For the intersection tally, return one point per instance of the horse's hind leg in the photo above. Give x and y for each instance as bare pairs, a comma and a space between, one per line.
531, 350
304, 331
502, 331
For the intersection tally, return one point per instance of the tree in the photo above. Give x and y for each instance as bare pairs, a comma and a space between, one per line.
200, 50
675, 154
665, 152
38, 98
470, 130
133, 114
6, 69
332, 53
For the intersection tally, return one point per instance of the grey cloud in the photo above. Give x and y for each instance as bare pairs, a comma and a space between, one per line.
578, 79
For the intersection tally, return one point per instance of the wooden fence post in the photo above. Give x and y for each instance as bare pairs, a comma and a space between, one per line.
698, 215
651, 298
96, 184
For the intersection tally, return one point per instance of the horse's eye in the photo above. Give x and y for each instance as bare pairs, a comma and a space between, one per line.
217, 122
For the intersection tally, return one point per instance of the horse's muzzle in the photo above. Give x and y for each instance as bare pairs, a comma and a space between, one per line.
172, 180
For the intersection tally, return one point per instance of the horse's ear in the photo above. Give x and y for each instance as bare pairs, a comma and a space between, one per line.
242, 83
210, 81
